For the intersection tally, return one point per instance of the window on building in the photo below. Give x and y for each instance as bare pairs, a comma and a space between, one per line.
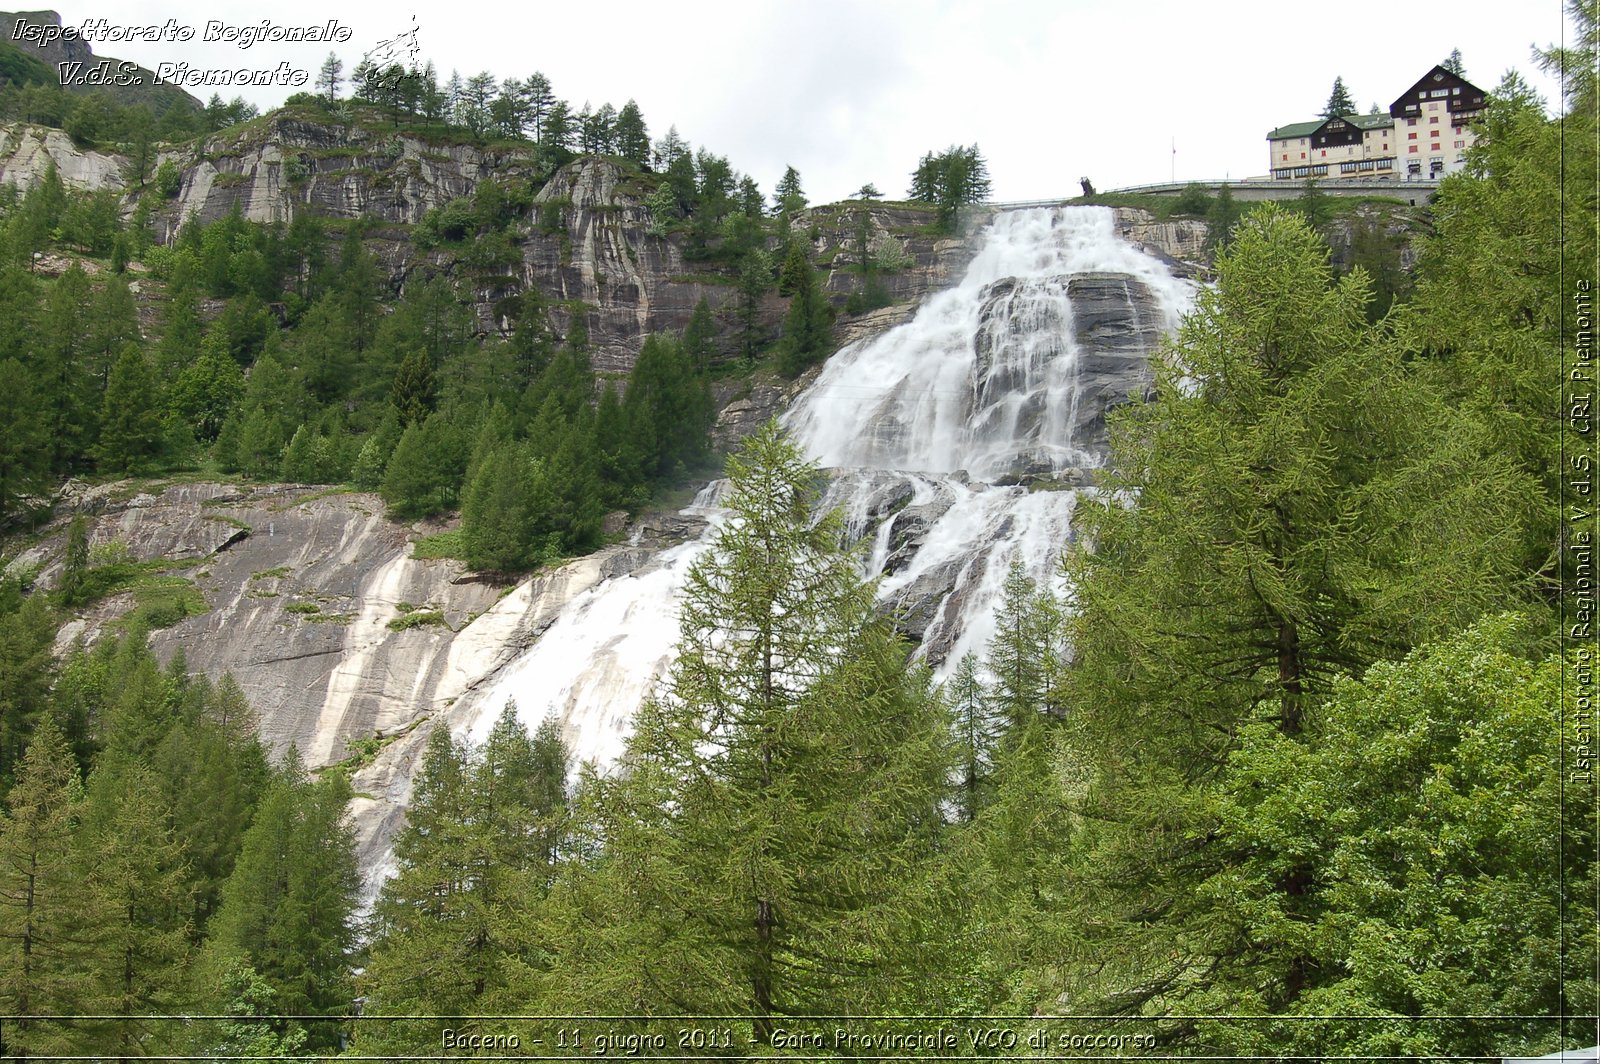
1386, 147
1285, 156
1302, 155
1459, 144
1411, 136
1413, 148
1433, 121
1435, 146
1411, 121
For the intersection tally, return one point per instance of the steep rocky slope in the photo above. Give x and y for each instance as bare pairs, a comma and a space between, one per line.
342, 640
587, 245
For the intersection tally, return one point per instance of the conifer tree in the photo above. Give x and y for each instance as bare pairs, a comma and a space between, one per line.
699, 337
792, 734
755, 279
41, 893
207, 389
329, 77
24, 440
507, 504
375, 453
137, 900
27, 637
807, 330
1028, 650
453, 929
62, 371
1487, 303
632, 137
621, 465
668, 409
976, 736
424, 473
1222, 216
1301, 512
132, 434
1339, 102
287, 909
113, 325
75, 562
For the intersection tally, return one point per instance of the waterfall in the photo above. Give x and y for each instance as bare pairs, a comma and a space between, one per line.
938, 432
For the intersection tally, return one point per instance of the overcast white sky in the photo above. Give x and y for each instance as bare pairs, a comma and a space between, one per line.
850, 91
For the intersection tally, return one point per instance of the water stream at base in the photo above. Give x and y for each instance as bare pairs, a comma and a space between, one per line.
934, 431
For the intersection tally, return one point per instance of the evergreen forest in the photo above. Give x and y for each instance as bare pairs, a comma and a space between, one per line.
1285, 772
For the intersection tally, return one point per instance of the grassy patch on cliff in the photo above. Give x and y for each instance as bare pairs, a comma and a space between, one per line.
439, 545
164, 605
418, 619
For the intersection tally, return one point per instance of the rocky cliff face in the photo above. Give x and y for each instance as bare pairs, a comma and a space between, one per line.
290, 161
345, 644
26, 152
587, 246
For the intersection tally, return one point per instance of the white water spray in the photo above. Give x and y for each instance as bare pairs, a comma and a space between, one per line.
1003, 378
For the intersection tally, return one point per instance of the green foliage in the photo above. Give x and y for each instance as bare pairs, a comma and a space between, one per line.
41, 892
137, 898
451, 929
24, 440
74, 586
1488, 305
1028, 652
1222, 215
954, 178
1193, 201
207, 390
132, 432
1339, 102
807, 330
1424, 807
250, 1031
506, 514
1314, 205
287, 908
668, 411
424, 473
418, 619
1308, 509
439, 545
761, 852
27, 637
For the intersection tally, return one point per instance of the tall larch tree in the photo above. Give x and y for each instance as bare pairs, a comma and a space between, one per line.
779, 799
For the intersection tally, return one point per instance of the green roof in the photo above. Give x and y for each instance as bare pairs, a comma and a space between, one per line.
1295, 129
1305, 129
1377, 121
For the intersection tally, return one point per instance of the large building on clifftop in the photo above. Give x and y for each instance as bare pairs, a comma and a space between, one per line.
1424, 136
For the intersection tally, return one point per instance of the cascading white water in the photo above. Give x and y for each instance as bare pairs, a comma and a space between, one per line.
997, 379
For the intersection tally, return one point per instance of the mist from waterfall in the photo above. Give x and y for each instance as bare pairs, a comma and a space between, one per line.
934, 431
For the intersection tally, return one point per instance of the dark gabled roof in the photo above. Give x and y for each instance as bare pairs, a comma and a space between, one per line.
1439, 78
